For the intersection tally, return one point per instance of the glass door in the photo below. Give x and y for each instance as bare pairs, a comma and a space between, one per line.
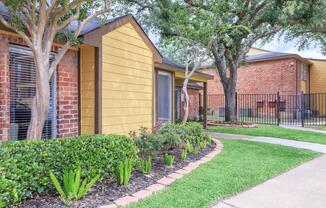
164, 96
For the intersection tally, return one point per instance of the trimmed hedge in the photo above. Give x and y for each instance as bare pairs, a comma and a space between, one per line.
25, 165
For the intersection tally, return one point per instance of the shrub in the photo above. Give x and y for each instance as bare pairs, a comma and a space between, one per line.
168, 159
146, 165
123, 171
73, 187
27, 163
184, 154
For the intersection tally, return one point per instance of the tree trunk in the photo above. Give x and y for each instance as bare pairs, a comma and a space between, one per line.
186, 104
230, 104
40, 104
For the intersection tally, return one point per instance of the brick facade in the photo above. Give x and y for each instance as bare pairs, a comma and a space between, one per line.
265, 77
67, 95
194, 104
67, 90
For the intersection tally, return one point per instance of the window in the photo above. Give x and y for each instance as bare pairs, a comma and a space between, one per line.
164, 96
304, 71
22, 91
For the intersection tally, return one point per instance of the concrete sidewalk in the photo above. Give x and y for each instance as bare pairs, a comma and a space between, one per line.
290, 143
303, 128
302, 187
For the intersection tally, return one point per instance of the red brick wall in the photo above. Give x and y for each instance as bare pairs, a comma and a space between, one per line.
193, 104
4, 88
266, 77
67, 90
67, 95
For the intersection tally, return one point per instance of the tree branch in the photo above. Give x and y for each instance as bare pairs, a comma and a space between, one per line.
22, 34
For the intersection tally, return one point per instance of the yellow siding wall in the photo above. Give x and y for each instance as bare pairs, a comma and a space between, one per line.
318, 76
256, 51
87, 78
127, 73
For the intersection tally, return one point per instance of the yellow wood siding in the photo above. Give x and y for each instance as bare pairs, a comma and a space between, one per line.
318, 76
87, 87
127, 73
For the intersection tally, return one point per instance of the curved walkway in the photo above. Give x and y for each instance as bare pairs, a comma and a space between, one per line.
290, 143
302, 187
303, 128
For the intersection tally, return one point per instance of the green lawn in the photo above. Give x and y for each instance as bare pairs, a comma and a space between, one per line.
275, 131
241, 165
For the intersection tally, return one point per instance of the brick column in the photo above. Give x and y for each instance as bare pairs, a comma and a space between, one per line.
67, 95
4, 88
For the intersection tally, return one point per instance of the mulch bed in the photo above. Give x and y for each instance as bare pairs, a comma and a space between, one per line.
231, 125
106, 191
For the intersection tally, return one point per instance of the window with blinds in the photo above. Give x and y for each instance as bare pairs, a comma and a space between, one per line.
22, 92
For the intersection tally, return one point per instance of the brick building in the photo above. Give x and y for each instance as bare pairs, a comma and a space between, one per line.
265, 74
268, 73
115, 82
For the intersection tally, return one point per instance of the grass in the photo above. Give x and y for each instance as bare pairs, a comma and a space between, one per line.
275, 131
241, 165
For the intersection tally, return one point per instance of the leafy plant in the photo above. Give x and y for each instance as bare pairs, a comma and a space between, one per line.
196, 150
123, 171
184, 154
8, 192
168, 159
27, 163
202, 145
146, 165
73, 187
189, 147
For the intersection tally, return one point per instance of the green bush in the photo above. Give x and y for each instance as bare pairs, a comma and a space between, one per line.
27, 163
168, 137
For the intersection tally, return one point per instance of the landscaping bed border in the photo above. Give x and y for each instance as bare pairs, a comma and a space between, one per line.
167, 180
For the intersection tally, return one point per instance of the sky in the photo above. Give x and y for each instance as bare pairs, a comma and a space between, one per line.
290, 47
279, 45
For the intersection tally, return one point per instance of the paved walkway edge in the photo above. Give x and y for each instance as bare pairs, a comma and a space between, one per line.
285, 142
303, 129
166, 180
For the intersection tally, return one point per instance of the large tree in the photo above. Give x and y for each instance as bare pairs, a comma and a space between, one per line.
245, 22
311, 30
40, 23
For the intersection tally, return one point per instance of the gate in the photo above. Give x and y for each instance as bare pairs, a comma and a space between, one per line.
302, 109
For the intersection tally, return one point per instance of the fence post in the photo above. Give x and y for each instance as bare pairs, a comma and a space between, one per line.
302, 109
278, 108
236, 104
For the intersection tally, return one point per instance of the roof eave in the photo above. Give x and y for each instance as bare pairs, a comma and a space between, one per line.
179, 69
295, 56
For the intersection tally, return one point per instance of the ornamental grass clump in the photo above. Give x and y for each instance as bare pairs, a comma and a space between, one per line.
146, 165
74, 188
123, 171
168, 159
184, 154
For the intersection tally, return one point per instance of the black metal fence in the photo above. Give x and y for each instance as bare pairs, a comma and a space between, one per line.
302, 109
